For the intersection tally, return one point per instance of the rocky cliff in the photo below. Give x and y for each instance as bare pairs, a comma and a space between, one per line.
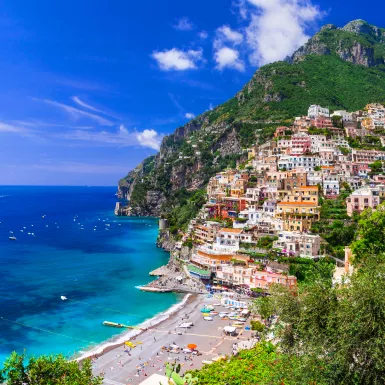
342, 68
358, 42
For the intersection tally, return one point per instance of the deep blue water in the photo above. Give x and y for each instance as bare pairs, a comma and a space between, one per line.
72, 254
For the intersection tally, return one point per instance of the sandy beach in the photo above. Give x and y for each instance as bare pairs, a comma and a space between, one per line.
120, 364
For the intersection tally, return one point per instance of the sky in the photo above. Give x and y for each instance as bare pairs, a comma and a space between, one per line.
89, 88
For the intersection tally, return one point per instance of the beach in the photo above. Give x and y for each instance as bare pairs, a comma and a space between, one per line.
120, 364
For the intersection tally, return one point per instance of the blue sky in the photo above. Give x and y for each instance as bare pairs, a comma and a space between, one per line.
89, 88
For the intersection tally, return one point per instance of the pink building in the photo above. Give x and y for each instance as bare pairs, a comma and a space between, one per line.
301, 143
362, 199
322, 122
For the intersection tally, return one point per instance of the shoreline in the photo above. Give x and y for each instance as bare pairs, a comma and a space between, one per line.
149, 354
119, 339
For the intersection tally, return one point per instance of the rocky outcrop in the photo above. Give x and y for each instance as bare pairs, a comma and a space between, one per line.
165, 240
357, 42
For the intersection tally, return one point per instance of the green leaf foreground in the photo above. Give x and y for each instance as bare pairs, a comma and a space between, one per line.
18, 369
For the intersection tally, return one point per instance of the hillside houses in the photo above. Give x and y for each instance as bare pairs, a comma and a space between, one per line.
270, 204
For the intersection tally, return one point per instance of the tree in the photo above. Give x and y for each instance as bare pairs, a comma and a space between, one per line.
337, 331
47, 370
263, 306
376, 168
370, 236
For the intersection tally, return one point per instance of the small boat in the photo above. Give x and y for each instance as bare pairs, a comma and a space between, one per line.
63, 297
12, 238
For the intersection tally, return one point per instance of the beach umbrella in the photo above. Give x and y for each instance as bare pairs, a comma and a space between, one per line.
192, 346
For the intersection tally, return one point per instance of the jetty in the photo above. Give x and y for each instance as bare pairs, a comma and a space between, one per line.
155, 289
117, 325
160, 271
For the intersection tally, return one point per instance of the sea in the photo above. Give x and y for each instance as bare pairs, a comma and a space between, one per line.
69, 243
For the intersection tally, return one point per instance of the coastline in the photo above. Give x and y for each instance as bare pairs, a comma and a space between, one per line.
119, 339
148, 354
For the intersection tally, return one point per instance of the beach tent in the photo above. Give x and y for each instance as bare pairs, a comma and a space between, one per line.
155, 379
185, 325
230, 329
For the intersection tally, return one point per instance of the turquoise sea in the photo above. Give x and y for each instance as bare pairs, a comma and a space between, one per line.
76, 248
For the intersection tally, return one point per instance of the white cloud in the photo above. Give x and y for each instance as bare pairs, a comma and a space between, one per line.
77, 114
13, 129
122, 137
278, 27
189, 115
203, 35
228, 58
77, 100
178, 60
184, 24
226, 34
149, 138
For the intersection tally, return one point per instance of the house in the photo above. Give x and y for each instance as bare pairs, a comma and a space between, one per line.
322, 122
300, 144
297, 216
331, 186
249, 276
294, 161
345, 116
206, 233
362, 199
316, 111
294, 243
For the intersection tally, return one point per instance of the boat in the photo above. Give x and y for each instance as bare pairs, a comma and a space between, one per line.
63, 297
12, 238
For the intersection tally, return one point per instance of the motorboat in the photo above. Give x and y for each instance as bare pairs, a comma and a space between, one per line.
12, 238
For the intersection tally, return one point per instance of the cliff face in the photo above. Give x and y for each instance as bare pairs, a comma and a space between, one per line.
342, 68
358, 42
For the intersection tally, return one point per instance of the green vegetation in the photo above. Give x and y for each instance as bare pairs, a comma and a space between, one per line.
250, 367
257, 326
46, 370
306, 270
266, 242
376, 168
369, 243
182, 207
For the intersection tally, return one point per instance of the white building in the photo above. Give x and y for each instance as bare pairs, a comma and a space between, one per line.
305, 162
317, 142
314, 178
331, 185
345, 115
315, 111
294, 243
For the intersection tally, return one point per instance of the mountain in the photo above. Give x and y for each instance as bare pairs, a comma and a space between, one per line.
342, 68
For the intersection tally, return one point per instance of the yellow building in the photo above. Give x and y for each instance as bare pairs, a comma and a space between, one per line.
297, 216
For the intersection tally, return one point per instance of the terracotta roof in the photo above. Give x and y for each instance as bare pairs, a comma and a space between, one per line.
215, 256
235, 231
307, 188
298, 204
